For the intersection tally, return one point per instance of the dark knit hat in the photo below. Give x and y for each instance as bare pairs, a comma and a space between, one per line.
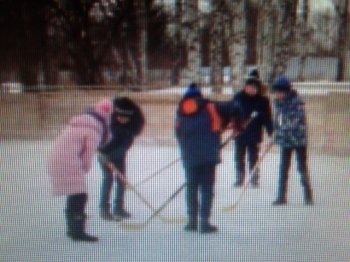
281, 84
193, 91
123, 106
254, 82
254, 73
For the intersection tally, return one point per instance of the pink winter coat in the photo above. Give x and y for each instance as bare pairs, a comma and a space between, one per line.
74, 150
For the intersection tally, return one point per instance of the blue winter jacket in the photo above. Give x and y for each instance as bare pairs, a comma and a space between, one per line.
199, 144
248, 105
290, 121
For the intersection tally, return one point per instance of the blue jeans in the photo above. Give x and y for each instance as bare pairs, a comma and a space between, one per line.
107, 184
240, 155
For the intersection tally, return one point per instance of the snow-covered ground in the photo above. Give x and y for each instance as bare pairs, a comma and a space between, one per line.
308, 88
33, 229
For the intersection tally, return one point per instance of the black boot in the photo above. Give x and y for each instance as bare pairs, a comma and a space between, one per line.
105, 213
121, 213
207, 228
279, 202
192, 225
239, 183
76, 228
308, 197
254, 181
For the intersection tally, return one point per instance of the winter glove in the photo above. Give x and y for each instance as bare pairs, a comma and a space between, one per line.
270, 140
105, 160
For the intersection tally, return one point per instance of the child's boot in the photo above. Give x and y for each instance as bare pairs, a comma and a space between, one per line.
76, 228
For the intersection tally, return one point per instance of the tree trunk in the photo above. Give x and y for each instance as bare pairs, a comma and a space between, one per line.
127, 72
286, 21
343, 39
192, 37
303, 45
28, 72
238, 43
217, 35
141, 52
176, 70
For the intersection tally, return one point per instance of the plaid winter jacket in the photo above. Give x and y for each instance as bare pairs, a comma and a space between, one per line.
290, 121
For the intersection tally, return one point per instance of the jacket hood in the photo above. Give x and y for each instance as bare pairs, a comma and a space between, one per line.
190, 106
104, 109
292, 98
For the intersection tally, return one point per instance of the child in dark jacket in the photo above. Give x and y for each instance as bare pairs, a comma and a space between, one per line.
198, 129
256, 109
127, 122
290, 135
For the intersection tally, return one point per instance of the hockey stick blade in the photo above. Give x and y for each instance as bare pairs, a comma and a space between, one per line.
233, 206
140, 226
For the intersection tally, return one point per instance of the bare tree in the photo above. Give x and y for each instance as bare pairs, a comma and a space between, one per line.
342, 9
216, 50
192, 37
237, 45
141, 50
284, 39
178, 41
303, 29
22, 29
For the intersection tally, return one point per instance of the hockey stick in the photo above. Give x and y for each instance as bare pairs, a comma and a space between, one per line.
256, 166
140, 226
120, 176
158, 172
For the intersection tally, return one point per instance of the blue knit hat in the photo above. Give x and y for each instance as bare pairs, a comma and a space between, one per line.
254, 73
281, 84
192, 91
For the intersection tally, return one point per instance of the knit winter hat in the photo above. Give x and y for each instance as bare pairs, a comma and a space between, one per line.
254, 82
192, 91
281, 84
123, 106
254, 73
104, 106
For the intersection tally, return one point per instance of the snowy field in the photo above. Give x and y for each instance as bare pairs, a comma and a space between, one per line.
308, 88
33, 228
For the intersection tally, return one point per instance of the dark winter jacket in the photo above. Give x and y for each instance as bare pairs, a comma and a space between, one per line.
122, 137
250, 106
290, 121
198, 129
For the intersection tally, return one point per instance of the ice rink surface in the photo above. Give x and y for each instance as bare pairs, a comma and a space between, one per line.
33, 227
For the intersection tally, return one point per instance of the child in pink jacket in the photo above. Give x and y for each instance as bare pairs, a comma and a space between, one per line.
71, 160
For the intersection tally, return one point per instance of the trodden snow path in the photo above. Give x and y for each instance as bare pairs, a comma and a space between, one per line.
33, 229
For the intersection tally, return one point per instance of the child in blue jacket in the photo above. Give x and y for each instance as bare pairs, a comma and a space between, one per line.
291, 135
199, 125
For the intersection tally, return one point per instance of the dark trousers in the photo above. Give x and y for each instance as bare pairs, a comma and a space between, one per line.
240, 156
200, 179
107, 184
301, 156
